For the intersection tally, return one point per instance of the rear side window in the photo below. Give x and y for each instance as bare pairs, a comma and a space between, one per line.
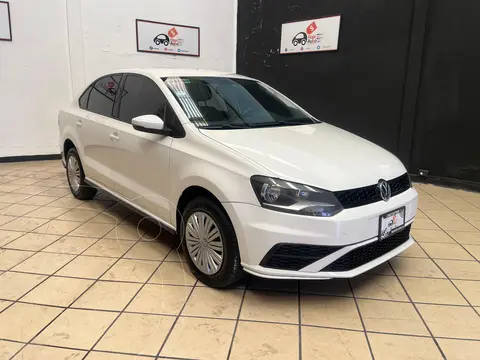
141, 96
102, 95
83, 101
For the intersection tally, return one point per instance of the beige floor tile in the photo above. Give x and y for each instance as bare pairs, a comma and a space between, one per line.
173, 273
4, 304
57, 291
10, 258
39, 200
470, 289
137, 333
113, 215
391, 317
446, 251
18, 210
59, 192
9, 187
397, 347
474, 250
455, 225
46, 212
435, 291
8, 348
35, 352
176, 255
24, 224
100, 205
148, 251
332, 344
435, 236
7, 236
451, 321
71, 245
424, 224
81, 215
105, 295
31, 190
125, 232
26, 181
58, 227
91, 267
414, 251
268, 341
14, 285
270, 306
330, 311
32, 242
206, 339
22, 321
76, 328
160, 299
460, 349
13, 198
65, 202
109, 247
466, 237
475, 223
98, 355
470, 215
90, 229
3, 205
441, 214
44, 263
416, 267
458, 269
131, 270
339, 287
215, 303
382, 269
378, 287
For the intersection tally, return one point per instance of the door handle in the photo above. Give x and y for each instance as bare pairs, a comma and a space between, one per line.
79, 123
114, 137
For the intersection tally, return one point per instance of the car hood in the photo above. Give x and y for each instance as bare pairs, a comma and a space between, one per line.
320, 155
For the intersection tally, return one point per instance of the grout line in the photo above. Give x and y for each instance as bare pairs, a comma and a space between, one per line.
361, 319
419, 314
237, 319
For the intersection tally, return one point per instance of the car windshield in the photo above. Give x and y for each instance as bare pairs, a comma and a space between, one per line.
234, 103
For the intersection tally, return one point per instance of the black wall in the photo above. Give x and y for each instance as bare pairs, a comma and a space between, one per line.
404, 77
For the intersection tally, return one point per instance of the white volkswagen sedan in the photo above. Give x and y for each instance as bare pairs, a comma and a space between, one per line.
247, 178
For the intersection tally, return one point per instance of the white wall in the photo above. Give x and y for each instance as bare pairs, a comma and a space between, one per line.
61, 45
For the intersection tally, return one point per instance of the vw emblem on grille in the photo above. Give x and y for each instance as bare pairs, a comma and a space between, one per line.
384, 189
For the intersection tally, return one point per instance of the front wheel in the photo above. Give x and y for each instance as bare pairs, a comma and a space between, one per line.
210, 243
76, 177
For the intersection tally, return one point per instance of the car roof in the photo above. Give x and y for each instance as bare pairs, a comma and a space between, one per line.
166, 72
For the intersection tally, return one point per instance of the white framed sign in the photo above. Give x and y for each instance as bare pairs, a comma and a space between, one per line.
163, 38
310, 35
5, 25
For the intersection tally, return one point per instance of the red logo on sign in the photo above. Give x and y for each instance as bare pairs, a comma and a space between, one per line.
172, 32
111, 84
311, 28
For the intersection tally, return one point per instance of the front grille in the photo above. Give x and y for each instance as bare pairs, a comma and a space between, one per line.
295, 256
364, 254
370, 194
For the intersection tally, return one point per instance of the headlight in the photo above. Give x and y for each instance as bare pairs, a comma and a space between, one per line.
287, 196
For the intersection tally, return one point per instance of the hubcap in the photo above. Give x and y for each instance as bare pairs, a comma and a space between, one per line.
73, 172
204, 243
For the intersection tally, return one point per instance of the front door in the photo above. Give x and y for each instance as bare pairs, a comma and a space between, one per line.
140, 160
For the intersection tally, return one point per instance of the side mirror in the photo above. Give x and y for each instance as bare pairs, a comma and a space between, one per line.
150, 124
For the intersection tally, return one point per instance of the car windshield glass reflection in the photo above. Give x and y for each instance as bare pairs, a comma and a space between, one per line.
230, 103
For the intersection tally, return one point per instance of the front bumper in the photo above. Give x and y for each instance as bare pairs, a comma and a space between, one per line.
259, 230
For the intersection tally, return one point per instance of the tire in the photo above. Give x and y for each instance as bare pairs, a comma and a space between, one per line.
230, 270
166, 42
76, 180
157, 42
295, 42
304, 42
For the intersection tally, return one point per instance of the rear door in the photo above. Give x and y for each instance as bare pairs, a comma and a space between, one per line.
94, 129
139, 160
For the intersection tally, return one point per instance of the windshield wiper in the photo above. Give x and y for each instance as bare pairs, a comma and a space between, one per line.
223, 126
283, 123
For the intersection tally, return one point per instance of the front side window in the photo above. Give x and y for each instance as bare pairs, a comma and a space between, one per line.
219, 102
141, 96
102, 95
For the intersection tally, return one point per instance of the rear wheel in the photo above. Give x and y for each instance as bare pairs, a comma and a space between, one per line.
210, 243
76, 177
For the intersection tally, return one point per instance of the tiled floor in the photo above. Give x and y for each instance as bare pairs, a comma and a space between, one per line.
80, 280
